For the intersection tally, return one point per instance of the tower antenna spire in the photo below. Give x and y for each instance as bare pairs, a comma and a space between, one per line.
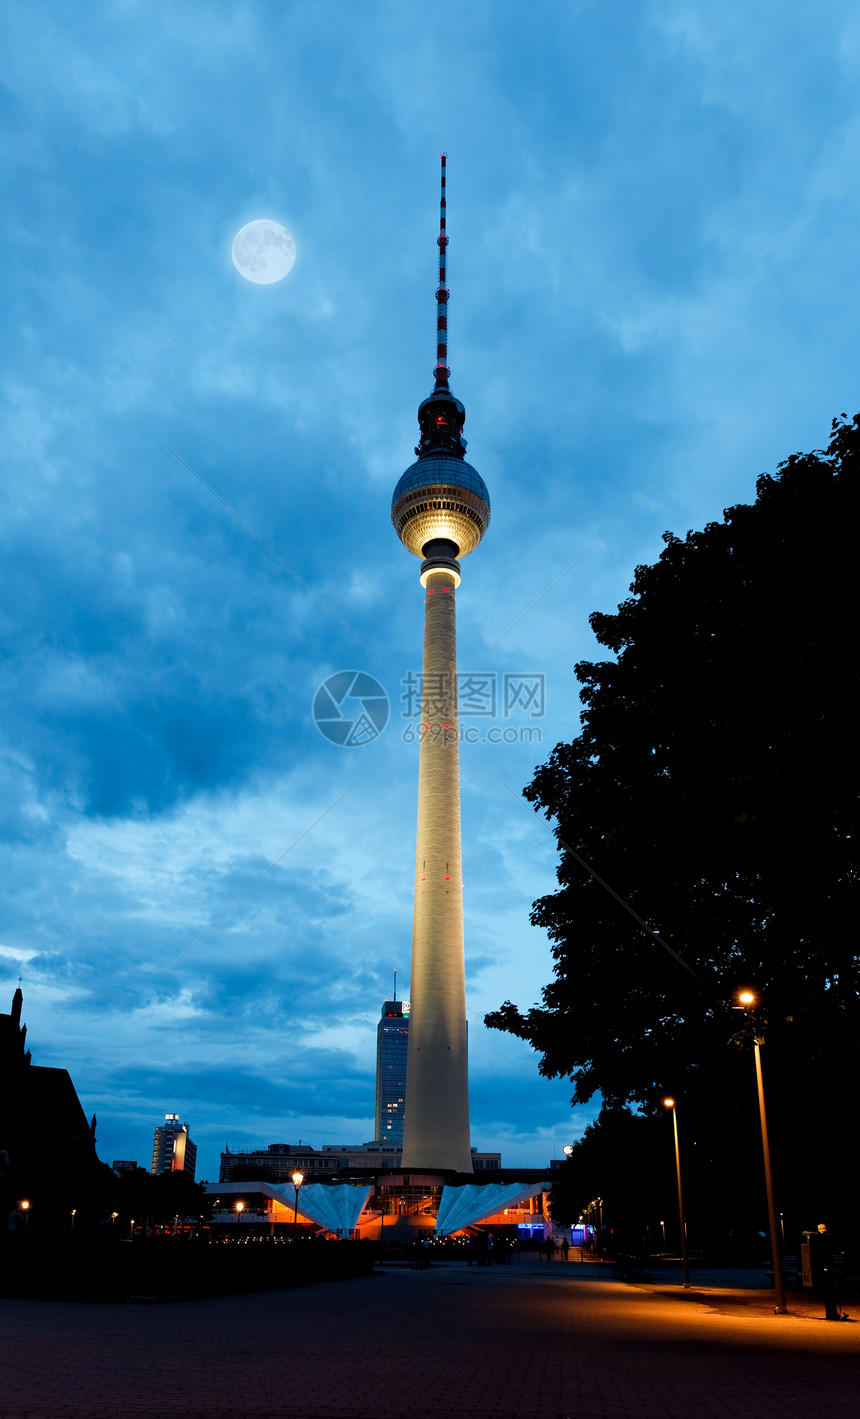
442, 371
395, 985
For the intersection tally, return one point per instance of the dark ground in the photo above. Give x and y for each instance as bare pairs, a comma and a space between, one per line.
524, 1341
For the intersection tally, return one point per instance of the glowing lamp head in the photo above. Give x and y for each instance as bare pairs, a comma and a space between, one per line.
746, 997
240, 1207
668, 1103
567, 1150
24, 1205
298, 1179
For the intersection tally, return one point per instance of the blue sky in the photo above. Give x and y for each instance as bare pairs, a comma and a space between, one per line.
653, 212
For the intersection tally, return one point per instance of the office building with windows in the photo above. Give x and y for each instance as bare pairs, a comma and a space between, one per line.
392, 1040
172, 1149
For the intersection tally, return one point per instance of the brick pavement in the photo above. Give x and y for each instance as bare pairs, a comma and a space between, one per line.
514, 1342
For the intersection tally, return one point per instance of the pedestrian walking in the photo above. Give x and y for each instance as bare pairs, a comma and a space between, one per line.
565, 1248
550, 1248
823, 1274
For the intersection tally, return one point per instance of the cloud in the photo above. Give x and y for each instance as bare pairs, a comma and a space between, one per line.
652, 245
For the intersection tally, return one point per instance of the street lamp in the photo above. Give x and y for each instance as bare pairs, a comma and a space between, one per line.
240, 1208
749, 999
663, 1225
74, 1214
567, 1150
670, 1104
298, 1179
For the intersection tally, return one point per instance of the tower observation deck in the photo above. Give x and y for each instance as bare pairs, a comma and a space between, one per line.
440, 511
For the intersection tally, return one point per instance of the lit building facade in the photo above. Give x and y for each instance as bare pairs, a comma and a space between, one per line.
172, 1149
392, 1039
281, 1160
440, 511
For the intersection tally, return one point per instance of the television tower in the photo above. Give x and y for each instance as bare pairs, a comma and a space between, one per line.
440, 511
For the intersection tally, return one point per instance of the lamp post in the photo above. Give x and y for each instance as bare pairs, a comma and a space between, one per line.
749, 999
240, 1208
298, 1179
670, 1104
74, 1214
567, 1149
663, 1227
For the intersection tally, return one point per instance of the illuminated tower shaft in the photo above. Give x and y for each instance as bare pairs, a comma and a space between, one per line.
440, 511
436, 1128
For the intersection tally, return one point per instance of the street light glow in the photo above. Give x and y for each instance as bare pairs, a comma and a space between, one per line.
668, 1103
240, 1207
298, 1179
746, 997
567, 1149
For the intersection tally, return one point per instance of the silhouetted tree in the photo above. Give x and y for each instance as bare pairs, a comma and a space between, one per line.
624, 1159
159, 1199
714, 786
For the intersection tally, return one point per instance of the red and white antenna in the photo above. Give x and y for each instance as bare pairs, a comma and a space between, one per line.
442, 371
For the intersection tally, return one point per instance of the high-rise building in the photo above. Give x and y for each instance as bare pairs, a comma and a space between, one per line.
440, 511
172, 1149
392, 1037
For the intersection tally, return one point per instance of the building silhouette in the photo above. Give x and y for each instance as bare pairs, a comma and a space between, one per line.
124, 1165
172, 1149
392, 1039
44, 1131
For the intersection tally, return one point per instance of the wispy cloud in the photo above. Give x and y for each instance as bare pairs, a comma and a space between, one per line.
652, 243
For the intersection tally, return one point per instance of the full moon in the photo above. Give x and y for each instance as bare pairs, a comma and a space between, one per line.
263, 252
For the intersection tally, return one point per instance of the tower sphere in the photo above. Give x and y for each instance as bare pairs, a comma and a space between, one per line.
441, 496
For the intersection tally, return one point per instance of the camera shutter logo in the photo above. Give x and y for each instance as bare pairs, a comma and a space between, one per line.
351, 709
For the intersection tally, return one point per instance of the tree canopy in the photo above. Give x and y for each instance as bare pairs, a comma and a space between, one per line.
714, 787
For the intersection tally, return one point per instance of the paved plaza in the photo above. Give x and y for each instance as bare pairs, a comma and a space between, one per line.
522, 1341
